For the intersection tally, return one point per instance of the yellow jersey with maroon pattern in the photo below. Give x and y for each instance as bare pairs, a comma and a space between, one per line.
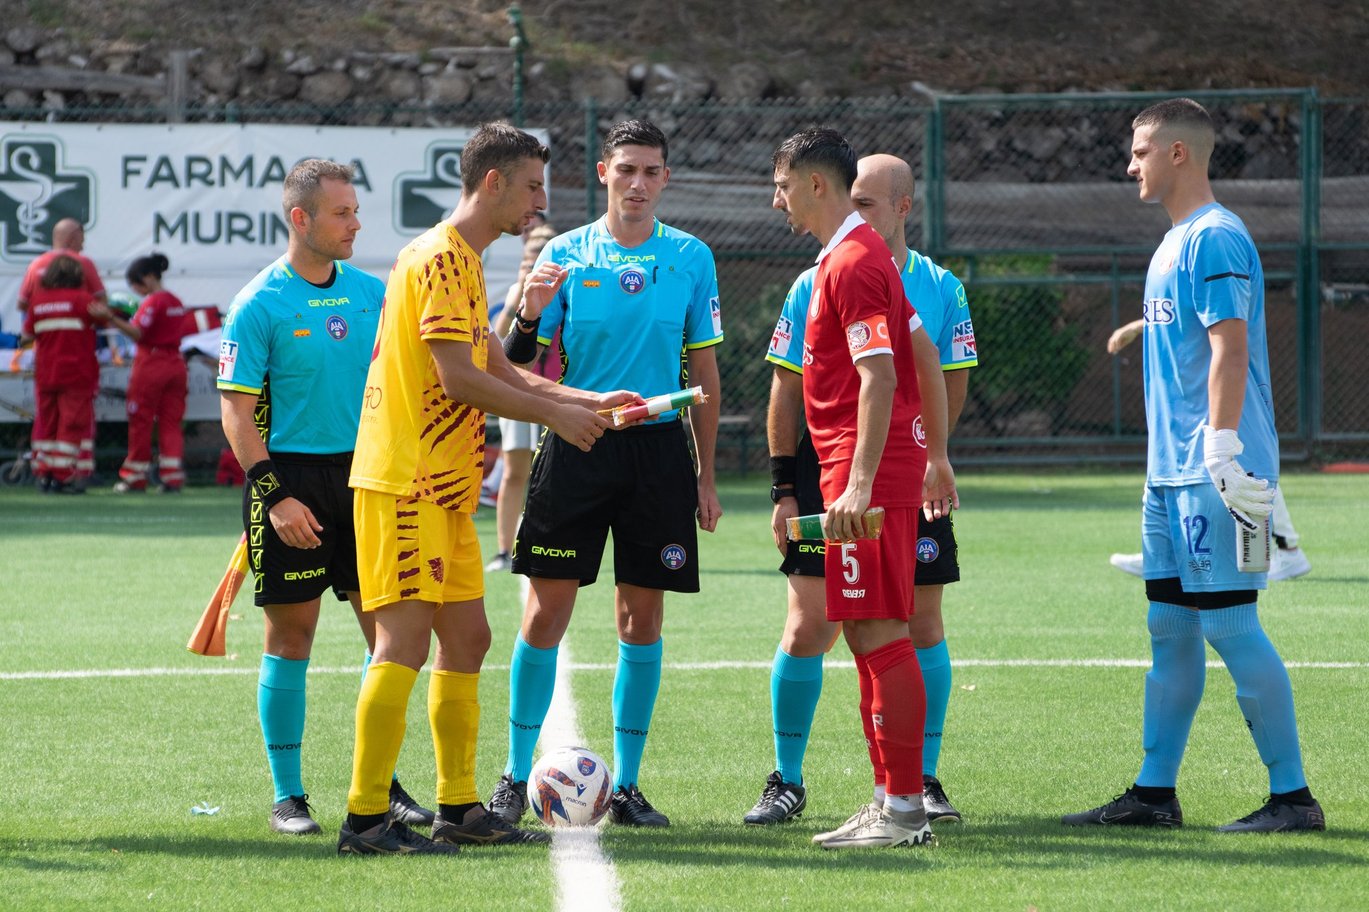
413, 440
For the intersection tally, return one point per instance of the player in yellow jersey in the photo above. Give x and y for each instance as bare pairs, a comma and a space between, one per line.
417, 471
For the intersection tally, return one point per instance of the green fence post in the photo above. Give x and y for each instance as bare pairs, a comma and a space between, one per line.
934, 189
1116, 283
519, 43
1309, 273
591, 160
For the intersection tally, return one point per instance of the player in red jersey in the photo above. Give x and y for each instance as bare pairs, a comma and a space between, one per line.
61, 317
878, 444
157, 386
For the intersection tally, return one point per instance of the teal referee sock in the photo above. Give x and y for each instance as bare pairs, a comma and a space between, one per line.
280, 706
795, 686
532, 681
634, 699
935, 662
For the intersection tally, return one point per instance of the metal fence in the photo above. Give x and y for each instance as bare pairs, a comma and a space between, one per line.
1026, 198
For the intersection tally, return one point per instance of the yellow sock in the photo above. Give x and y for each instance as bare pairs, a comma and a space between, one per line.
381, 707
454, 714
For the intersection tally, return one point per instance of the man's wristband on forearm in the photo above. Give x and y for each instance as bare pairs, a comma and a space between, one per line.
527, 325
263, 477
783, 470
519, 346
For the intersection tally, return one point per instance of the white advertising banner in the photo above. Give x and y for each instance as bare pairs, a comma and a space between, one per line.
208, 196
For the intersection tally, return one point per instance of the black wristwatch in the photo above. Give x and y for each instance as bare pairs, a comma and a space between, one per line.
779, 491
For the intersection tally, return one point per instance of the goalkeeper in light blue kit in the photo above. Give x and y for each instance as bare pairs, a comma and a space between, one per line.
1207, 403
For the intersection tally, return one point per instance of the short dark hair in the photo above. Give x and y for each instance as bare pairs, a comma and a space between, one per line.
634, 133
63, 271
495, 147
818, 147
154, 265
302, 183
1178, 112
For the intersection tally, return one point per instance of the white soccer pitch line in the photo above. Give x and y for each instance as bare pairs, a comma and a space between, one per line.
234, 669
586, 880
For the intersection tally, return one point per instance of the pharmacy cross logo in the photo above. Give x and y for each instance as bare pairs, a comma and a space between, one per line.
423, 198
37, 190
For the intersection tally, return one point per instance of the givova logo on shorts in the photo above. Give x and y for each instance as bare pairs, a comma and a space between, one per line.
37, 190
673, 556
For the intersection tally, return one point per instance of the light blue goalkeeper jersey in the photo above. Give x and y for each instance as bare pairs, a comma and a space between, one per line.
627, 313
1206, 270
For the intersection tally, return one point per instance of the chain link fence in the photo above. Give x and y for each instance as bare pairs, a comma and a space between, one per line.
1027, 199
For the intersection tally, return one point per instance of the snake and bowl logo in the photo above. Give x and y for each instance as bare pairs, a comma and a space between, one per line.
585, 765
927, 550
336, 326
673, 556
37, 190
632, 280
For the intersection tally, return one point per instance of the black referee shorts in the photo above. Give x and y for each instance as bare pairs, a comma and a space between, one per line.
286, 575
638, 483
936, 550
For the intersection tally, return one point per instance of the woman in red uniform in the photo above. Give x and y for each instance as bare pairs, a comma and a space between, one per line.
157, 386
61, 319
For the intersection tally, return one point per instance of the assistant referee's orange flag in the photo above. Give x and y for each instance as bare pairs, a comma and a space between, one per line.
211, 633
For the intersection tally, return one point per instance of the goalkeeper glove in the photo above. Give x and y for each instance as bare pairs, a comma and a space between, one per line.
1247, 498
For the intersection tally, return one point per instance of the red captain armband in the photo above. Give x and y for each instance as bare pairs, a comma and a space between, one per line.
869, 337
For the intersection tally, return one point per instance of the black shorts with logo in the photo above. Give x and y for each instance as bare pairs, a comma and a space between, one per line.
286, 575
638, 483
936, 550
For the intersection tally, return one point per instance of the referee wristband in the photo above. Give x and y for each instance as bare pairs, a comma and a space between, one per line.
784, 471
263, 477
519, 346
526, 324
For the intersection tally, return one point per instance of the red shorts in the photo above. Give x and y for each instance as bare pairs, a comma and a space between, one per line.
873, 577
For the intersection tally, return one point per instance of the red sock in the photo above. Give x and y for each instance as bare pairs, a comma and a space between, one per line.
900, 706
867, 698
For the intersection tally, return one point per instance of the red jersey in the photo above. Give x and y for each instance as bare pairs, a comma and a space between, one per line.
161, 317
33, 277
858, 310
64, 332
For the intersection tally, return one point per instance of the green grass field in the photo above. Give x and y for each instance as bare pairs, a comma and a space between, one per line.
112, 731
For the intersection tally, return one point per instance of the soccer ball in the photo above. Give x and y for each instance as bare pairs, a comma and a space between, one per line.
570, 786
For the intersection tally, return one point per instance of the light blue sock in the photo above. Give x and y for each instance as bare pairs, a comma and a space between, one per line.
1263, 691
936, 680
1174, 688
532, 680
365, 667
795, 685
634, 698
280, 706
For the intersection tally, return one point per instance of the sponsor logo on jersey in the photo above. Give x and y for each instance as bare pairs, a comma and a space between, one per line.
673, 556
336, 326
228, 359
927, 550
784, 334
302, 334
294, 575
960, 296
857, 336
542, 551
631, 258
435, 569
373, 397
962, 342
919, 432
1158, 311
590, 283
812, 549
807, 354
632, 280
329, 302
716, 311
853, 593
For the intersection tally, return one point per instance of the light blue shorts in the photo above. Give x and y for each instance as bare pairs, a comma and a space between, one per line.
1187, 532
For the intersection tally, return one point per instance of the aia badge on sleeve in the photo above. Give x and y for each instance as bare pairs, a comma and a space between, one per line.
919, 432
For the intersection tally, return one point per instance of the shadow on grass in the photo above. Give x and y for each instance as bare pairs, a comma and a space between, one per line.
1005, 843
